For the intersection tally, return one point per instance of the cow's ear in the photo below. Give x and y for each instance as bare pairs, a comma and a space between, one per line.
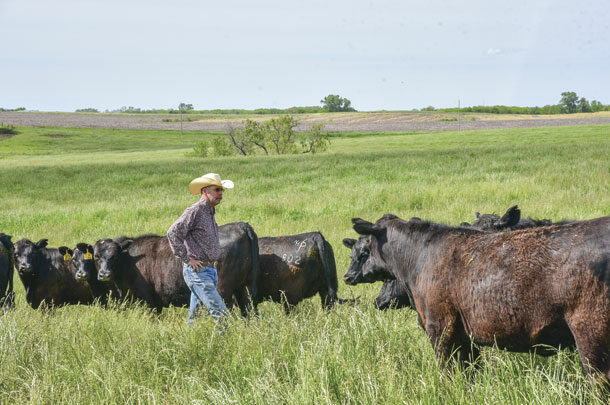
64, 249
366, 228
42, 243
83, 246
124, 244
349, 243
6, 241
477, 214
511, 217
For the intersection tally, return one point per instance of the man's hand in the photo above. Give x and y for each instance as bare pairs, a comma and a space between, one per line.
195, 264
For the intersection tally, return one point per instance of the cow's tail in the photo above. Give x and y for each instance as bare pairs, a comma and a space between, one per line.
10, 295
255, 264
330, 271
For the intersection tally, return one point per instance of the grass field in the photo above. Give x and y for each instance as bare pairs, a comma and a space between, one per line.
73, 185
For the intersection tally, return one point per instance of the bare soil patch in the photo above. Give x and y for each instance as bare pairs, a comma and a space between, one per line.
354, 122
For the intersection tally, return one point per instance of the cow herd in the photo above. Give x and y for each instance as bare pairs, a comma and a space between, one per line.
520, 284
284, 269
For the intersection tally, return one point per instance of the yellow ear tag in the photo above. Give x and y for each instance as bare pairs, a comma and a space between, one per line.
88, 256
67, 257
470, 261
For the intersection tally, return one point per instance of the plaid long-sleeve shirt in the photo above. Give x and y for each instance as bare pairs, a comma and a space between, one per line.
195, 234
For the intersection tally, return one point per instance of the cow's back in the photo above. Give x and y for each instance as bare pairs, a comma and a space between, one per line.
158, 278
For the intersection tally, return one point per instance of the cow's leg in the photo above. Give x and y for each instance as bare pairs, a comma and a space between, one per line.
243, 300
227, 297
448, 337
592, 341
326, 299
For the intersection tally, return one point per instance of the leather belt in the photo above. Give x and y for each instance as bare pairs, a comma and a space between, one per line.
210, 264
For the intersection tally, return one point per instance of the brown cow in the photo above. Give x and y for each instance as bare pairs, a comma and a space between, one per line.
548, 285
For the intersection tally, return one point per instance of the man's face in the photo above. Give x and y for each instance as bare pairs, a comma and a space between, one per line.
213, 194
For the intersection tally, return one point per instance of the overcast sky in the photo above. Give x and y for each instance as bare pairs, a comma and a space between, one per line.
66, 54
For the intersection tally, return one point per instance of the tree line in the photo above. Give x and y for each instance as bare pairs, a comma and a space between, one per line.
330, 103
569, 103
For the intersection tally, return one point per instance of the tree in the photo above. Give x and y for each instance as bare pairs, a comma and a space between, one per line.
315, 141
596, 106
569, 101
185, 107
255, 132
334, 103
238, 138
583, 105
276, 135
281, 133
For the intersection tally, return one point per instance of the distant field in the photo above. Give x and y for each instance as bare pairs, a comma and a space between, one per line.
391, 121
74, 184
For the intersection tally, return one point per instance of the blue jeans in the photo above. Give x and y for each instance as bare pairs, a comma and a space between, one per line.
202, 283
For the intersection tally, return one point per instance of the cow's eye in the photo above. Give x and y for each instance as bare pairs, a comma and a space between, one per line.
364, 254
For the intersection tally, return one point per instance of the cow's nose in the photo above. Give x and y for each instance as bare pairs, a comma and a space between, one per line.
103, 276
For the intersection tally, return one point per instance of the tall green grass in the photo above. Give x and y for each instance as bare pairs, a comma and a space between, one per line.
137, 185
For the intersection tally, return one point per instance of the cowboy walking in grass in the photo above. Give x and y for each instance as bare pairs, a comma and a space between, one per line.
194, 239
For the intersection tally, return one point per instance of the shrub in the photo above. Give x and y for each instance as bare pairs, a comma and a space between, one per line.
315, 141
220, 147
201, 149
8, 130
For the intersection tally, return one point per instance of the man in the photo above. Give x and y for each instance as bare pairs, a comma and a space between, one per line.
194, 239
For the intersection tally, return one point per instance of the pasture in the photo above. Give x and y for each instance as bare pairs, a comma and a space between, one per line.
72, 185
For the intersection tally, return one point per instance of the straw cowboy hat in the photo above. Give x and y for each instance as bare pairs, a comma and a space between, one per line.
210, 179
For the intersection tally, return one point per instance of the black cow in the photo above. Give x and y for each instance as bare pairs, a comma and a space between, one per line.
393, 295
46, 276
296, 267
82, 265
539, 286
146, 269
7, 264
510, 221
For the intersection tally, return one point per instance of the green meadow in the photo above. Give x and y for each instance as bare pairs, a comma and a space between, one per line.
74, 185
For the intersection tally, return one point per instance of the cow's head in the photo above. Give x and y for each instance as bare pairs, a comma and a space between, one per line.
367, 265
493, 222
5, 240
393, 295
106, 253
28, 255
83, 262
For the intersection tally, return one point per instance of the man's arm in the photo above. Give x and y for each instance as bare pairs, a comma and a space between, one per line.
177, 233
